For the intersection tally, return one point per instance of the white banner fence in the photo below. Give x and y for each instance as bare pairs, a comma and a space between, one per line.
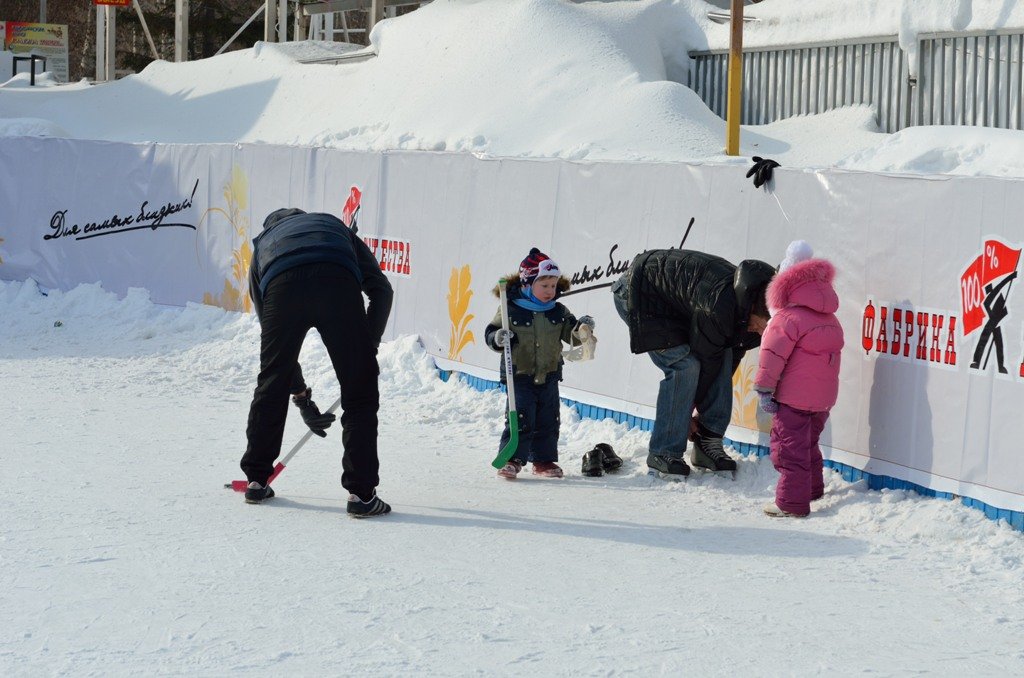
932, 382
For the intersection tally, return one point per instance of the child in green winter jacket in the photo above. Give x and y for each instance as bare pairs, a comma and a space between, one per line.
538, 327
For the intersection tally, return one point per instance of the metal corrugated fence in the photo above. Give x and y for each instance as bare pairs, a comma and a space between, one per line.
963, 79
970, 79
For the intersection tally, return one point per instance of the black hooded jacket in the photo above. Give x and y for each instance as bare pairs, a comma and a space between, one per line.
678, 297
292, 238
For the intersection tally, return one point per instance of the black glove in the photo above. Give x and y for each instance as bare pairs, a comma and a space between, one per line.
762, 170
311, 413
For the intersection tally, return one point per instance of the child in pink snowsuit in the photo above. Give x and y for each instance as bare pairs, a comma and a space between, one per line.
798, 377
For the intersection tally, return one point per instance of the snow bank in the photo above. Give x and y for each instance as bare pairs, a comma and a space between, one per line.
30, 127
789, 22
956, 150
520, 78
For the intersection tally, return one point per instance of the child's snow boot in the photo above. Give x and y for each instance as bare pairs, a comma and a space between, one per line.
511, 469
772, 509
547, 469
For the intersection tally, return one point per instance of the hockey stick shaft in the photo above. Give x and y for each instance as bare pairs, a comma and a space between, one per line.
242, 485
513, 418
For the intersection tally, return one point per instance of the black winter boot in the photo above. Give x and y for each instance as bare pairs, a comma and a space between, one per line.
592, 463
609, 460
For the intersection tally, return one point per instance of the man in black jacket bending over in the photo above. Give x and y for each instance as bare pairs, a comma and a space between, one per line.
310, 270
695, 315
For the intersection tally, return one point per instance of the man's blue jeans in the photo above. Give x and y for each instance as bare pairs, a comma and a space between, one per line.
677, 391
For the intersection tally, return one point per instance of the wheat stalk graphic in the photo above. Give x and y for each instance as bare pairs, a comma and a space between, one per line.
234, 297
745, 412
459, 294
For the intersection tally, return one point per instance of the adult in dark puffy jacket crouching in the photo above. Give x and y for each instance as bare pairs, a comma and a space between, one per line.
696, 315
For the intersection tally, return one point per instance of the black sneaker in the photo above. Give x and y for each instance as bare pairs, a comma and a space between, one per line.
256, 493
357, 508
609, 460
670, 466
710, 454
592, 466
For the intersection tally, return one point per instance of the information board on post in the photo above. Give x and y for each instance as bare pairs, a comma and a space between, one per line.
45, 40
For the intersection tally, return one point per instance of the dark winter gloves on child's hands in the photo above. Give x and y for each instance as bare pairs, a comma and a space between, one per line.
585, 320
316, 421
767, 402
762, 170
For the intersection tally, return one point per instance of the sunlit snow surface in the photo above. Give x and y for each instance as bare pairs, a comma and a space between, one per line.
122, 553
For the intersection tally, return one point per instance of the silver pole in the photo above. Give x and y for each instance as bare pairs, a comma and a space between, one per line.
145, 27
376, 15
239, 31
181, 30
282, 21
111, 43
42, 11
269, 20
101, 45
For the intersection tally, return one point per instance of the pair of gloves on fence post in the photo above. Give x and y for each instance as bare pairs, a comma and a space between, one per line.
762, 170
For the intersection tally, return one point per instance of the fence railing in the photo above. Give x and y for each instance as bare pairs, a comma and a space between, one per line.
963, 79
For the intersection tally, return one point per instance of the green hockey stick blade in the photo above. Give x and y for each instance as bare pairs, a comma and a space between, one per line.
513, 442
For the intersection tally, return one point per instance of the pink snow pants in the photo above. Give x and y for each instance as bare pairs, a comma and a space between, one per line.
797, 458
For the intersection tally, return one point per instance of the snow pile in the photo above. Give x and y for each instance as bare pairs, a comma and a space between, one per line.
518, 78
791, 22
24, 79
945, 150
31, 127
123, 554
577, 81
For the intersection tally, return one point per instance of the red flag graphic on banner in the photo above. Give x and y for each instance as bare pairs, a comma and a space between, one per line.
348, 214
971, 297
998, 259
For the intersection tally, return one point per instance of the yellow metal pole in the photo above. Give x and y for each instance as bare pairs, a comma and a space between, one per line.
732, 109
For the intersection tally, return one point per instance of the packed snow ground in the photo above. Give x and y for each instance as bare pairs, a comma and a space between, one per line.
122, 553
526, 78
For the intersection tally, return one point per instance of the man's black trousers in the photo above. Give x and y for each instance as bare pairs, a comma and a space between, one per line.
328, 298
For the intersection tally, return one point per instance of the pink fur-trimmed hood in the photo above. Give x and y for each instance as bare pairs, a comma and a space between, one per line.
808, 283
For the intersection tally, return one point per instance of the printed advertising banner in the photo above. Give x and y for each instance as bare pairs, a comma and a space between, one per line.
932, 379
45, 40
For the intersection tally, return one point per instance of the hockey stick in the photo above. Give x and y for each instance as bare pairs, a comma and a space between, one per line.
242, 485
513, 419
